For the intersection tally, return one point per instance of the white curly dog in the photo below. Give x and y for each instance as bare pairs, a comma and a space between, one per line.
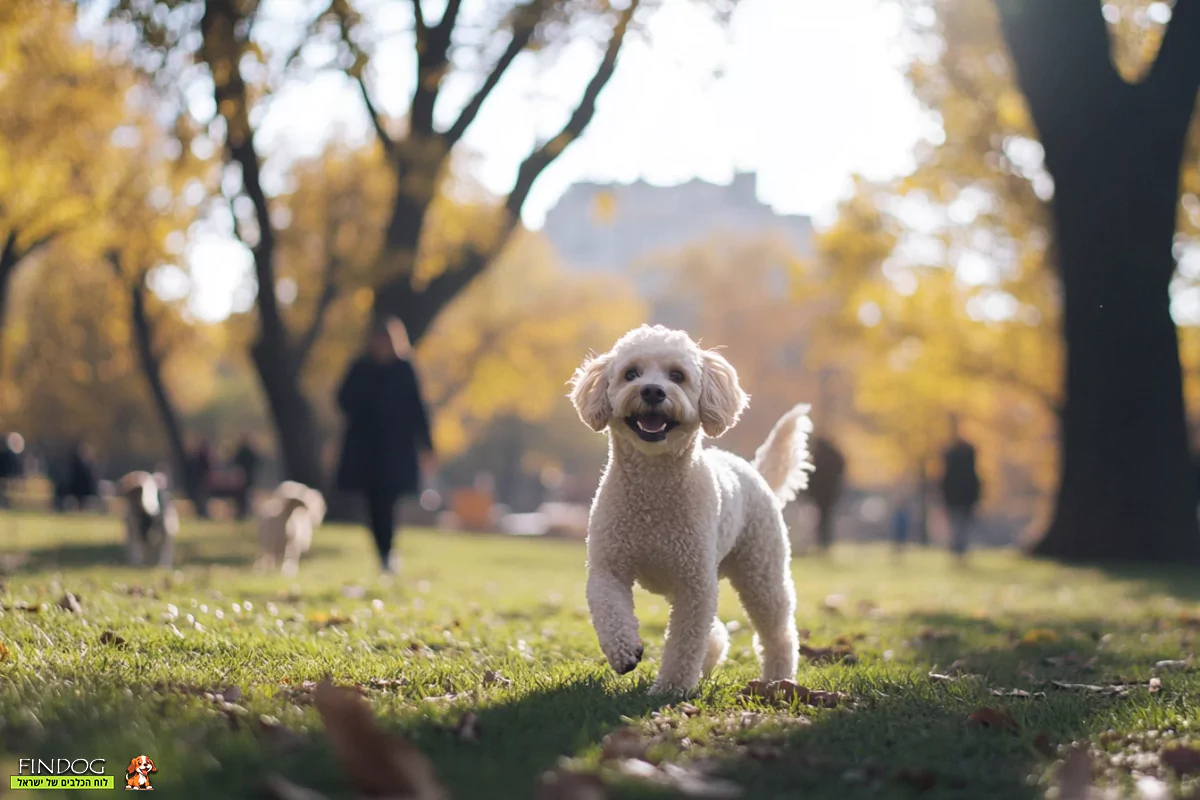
677, 517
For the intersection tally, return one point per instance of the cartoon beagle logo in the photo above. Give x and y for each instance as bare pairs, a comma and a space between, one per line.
137, 774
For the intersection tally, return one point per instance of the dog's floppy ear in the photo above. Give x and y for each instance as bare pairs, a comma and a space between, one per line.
722, 400
132, 768
589, 392
151, 762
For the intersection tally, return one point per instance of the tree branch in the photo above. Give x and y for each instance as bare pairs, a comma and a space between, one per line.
385, 138
433, 58
321, 311
419, 21
523, 29
544, 156
1175, 75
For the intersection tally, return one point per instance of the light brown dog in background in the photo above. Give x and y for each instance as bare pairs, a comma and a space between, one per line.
286, 522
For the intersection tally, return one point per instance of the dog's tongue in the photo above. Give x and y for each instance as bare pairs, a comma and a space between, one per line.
652, 423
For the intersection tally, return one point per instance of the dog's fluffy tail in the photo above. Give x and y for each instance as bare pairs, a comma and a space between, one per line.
783, 457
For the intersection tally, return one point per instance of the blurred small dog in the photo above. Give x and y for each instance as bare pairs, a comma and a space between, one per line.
286, 522
151, 521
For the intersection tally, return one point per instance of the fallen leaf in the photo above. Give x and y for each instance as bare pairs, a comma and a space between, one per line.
70, 603
833, 603
108, 637
376, 764
693, 784
1183, 761
1075, 776
1043, 746
623, 743
993, 718
1019, 693
1039, 635
3, 652
467, 728
840, 652
922, 780
563, 785
231, 694
788, 691
688, 710
1113, 690
931, 635
494, 678
277, 788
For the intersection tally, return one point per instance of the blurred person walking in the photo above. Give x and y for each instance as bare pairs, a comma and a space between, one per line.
387, 448
960, 488
77, 479
247, 460
825, 487
200, 465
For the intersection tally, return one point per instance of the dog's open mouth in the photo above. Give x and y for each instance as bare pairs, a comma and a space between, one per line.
651, 426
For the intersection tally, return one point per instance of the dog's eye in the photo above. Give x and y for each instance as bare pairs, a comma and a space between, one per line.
676, 376
631, 374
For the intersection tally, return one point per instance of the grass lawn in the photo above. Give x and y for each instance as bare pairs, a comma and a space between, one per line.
125, 673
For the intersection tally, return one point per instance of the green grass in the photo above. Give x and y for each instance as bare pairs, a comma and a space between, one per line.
469, 604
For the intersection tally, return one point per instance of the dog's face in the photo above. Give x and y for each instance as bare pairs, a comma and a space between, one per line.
142, 765
657, 389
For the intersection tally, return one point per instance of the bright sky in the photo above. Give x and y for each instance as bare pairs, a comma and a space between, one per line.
809, 93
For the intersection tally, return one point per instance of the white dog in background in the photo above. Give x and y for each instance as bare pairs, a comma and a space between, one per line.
151, 521
286, 523
676, 517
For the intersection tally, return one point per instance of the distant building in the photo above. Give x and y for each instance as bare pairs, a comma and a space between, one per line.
609, 227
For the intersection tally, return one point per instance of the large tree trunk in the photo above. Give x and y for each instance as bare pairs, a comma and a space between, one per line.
1115, 152
1125, 487
295, 427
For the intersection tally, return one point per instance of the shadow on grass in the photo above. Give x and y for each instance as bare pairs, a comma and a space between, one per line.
188, 553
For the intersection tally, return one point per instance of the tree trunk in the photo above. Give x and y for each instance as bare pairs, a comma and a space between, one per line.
1125, 488
295, 427
143, 339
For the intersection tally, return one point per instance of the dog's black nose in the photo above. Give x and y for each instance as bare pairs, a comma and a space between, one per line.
653, 395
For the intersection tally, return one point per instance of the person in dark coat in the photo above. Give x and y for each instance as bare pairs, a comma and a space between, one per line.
247, 460
78, 480
200, 464
825, 487
387, 447
961, 488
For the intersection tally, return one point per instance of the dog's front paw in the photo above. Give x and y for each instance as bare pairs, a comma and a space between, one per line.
625, 658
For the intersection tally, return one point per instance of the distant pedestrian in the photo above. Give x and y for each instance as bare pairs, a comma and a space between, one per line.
77, 478
900, 526
961, 488
825, 487
200, 465
247, 460
388, 447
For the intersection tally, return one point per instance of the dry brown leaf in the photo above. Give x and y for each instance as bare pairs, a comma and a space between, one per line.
562, 785
688, 710
494, 678
108, 637
1075, 777
4, 654
1183, 761
376, 764
836, 653
922, 780
998, 718
788, 691
1043, 746
70, 602
277, 788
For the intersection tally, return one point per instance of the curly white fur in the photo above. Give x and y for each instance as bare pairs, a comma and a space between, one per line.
286, 524
676, 517
151, 521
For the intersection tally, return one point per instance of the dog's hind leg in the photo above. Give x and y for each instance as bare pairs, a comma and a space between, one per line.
134, 547
718, 646
761, 575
